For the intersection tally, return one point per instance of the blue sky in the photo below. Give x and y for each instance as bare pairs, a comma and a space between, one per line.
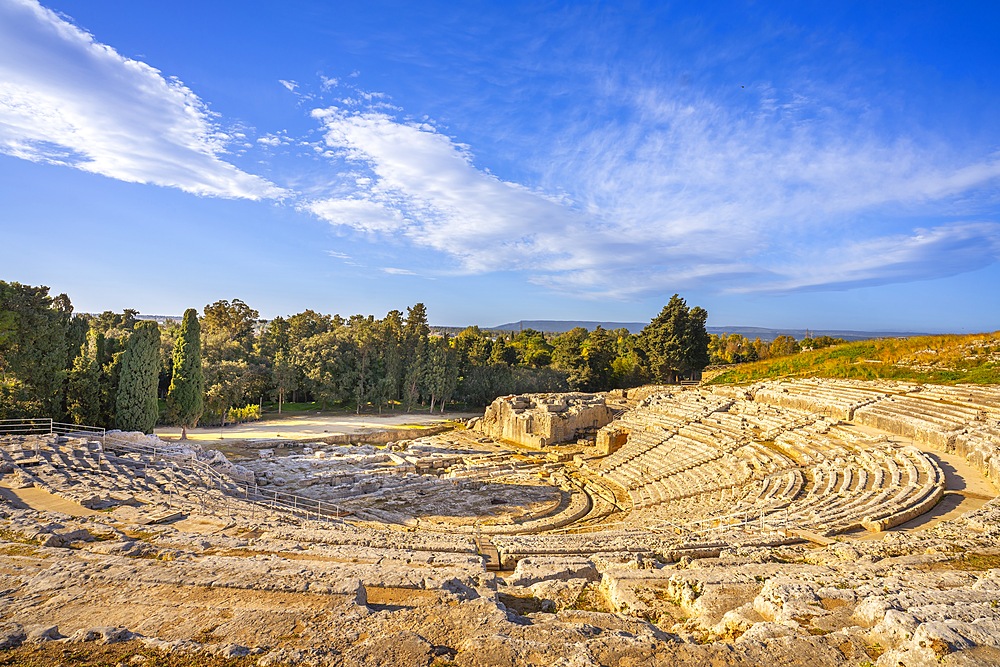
821, 165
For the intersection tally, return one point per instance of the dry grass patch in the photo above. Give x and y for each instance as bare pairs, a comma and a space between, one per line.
55, 654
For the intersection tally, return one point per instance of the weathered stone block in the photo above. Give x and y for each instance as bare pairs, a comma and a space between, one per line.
541, 420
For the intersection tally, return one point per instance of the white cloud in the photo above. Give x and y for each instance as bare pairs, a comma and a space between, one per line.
702, 195
668, 190
941, 251
393, 271
678, 201
440, 199
67, 99
273, 140
683, 193
359, 214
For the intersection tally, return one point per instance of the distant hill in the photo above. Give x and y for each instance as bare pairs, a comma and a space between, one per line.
561, 326
765, 334
943, 359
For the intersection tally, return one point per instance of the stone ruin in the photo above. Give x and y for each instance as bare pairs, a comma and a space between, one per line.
812, 523
543, 420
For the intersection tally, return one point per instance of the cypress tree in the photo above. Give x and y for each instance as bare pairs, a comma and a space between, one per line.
135, 403
186, 396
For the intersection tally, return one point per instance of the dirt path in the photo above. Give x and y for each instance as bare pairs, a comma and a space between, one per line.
299, 426
43, 501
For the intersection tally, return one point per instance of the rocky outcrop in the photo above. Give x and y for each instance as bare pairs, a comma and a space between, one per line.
541, 420
222, 576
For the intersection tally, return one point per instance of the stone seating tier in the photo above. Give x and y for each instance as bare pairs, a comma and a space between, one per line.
837, 401
980, 398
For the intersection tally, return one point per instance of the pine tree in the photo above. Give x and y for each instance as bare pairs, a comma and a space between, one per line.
135, 403
186, 396
675, 342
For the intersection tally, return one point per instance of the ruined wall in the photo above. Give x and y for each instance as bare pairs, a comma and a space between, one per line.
610, 439
540, 420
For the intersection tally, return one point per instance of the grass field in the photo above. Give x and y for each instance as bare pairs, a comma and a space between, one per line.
944, 359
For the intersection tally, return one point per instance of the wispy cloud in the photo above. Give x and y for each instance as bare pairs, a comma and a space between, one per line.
678, 192
932, 253
423, 186
68, 99
652, 187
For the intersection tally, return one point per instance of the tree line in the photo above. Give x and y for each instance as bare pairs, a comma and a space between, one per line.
113, 369
725, 349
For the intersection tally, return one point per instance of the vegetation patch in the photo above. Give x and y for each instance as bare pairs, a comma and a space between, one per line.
970, 562
946, 359
523, 604
101, 655
18, 550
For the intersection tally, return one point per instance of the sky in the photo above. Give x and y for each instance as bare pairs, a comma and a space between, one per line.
781, 164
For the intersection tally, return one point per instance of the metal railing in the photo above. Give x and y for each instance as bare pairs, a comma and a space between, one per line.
25, 426
167, 455
761, 522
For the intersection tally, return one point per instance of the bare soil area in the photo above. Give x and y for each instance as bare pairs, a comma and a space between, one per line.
304, 426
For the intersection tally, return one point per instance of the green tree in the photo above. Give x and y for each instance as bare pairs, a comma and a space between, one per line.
231, 366
83, 391
626, 368
135, 403
440, 372
532, 348
474, 347
233, 323
327, 360
730, 349
34, 350
782, 346
393, 358
568, 356
415, 333
169, 331
599, 351
284, 375
675, 342
186, 396
225, 386
367, 367
503, 352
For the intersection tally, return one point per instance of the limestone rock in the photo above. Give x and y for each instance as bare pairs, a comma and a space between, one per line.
540, 568
540, 420
12, 635
765, 630
43, 633
402, 648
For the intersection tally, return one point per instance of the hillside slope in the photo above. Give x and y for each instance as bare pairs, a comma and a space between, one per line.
944, 359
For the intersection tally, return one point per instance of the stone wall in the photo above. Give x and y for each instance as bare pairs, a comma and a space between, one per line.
541, 420
610, 439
